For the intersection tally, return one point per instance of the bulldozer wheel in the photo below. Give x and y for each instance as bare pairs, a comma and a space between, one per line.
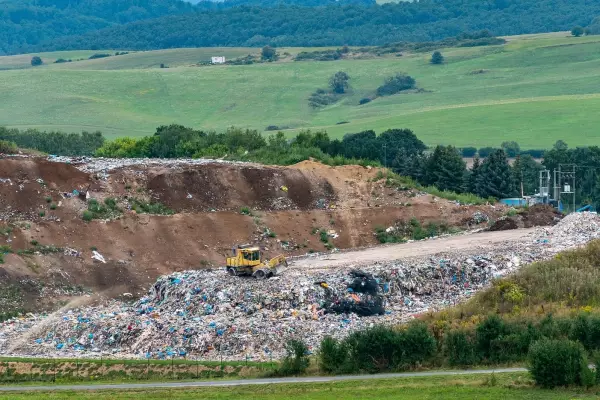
260, 274
231, 271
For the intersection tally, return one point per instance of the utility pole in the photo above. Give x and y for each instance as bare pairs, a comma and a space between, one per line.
522, 194
545, 185
566, 182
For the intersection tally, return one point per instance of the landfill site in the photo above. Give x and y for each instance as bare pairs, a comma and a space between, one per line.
140, 285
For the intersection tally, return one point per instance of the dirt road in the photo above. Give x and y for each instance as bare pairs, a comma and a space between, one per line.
413, 249
242, 382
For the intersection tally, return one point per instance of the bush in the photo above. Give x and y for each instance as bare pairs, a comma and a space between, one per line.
383, 348
586, 329
101, 211
535, 153
418, 344
268, 53
375, 349
296, 359
319, 55
36, 60
7, 147
437, 58
459, 348
586, 375
98, 55
485, 151
333, 355
577, 31
468, 151
508, 348
364, 100
322, 98
488, 330
556, 362
395, 84
145, 207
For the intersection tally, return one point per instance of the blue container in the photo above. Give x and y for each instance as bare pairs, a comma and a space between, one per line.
514, 202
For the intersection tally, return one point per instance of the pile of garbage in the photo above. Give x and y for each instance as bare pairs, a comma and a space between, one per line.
101, 164
209, 314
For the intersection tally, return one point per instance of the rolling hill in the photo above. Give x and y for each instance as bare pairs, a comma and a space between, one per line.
535, 89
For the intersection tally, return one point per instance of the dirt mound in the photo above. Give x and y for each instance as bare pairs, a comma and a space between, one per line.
229, 187
537, 215
541, 215
26, 184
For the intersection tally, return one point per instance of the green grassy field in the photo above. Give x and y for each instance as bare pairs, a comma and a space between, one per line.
508, 386
536, 89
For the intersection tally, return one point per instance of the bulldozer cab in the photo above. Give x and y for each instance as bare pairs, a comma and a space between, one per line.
244, 257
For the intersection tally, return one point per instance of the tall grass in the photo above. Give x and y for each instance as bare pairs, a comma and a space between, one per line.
569, 281
402, 182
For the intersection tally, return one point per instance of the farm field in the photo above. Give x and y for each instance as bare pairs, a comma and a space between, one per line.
535, 89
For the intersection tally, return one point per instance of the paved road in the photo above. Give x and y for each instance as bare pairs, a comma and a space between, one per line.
241, 382
415, 249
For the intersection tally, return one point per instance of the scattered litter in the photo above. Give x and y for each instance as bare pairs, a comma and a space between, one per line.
98, 256
72, 252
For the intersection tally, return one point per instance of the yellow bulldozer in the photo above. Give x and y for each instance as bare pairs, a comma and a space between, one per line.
247, 261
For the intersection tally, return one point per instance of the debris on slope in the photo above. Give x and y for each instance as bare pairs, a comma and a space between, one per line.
210, 314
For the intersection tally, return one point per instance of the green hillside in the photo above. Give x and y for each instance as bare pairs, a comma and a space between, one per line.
536, 89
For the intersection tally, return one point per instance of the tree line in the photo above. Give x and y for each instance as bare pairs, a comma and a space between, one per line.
24, 23
400, 150
58, 143
24, 27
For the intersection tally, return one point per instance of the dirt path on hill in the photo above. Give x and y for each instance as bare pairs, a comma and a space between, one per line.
413, 249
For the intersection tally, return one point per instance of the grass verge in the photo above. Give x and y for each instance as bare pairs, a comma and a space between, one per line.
512, 385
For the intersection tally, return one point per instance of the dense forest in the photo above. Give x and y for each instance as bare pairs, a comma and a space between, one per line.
34, 25
28, 22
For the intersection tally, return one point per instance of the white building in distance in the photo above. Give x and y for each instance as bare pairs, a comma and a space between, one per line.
218, 60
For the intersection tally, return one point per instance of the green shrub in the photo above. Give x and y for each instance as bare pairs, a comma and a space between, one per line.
488, 330
395, 84
7, 147
556, 362
508, 348
296, 359
333, 355
375, 349
460, 348
106, 210
145, 207
383, 348
586, 375
323, 236
87, 215
388, 237
418, 344
245, 211
585, 328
